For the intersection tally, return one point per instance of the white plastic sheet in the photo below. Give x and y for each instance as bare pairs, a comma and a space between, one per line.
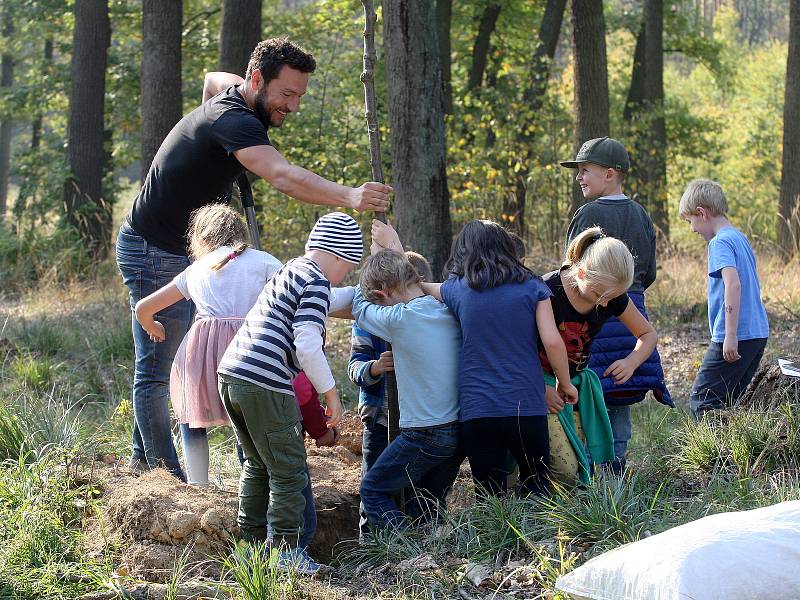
748, 555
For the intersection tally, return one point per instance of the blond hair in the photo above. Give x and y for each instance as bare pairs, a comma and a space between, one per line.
387, 270
420, 264
214, 226
606, 263
703, 193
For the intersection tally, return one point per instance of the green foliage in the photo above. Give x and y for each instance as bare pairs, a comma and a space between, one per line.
252, 567
43, 255
742, 148
741, 444
611, 510
40, 543
32, 371
33, 425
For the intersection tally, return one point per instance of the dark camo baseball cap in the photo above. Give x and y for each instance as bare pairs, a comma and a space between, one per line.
604, 151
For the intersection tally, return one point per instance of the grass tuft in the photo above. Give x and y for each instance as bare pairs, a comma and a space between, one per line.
252, 567
610, 511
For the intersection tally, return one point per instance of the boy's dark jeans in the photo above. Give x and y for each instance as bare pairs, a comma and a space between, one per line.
427, 459
374, 440
719, 383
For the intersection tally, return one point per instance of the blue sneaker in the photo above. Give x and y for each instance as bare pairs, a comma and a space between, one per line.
298, 561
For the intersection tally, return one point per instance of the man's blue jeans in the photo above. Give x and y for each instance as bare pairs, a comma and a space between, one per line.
427, 459
146, 268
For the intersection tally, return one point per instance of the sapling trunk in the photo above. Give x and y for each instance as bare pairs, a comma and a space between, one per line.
371, 114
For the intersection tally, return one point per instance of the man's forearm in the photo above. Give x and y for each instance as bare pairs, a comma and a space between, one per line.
309, 187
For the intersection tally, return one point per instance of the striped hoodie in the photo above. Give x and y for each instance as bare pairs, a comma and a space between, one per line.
263, 351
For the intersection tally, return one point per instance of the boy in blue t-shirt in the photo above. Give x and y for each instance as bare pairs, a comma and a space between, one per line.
736, 315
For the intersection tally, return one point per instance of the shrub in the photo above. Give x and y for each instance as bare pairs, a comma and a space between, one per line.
743, 443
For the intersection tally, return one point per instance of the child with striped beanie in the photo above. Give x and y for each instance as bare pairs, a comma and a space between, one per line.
282, 335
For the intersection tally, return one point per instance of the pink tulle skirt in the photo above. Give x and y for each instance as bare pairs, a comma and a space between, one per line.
193, 380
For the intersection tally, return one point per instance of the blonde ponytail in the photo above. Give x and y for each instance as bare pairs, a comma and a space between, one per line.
577, 247
237, 251
605, 263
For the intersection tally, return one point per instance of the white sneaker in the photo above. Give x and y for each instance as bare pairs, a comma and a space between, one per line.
297, 560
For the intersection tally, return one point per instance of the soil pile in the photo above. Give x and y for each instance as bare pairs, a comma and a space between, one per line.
155, 517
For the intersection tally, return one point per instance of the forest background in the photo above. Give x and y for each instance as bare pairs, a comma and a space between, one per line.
477, 102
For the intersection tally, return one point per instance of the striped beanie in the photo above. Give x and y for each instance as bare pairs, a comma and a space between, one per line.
339, 234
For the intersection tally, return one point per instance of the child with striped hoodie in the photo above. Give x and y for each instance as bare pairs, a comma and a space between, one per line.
282, 335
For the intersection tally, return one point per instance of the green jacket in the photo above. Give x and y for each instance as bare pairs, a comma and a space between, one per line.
594, 419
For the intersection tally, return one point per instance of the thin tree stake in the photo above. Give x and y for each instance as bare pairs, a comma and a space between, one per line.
373, 132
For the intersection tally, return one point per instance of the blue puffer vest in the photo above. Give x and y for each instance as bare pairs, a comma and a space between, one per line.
614, 342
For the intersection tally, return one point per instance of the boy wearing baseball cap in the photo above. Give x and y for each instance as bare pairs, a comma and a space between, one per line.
602, 164
282, 335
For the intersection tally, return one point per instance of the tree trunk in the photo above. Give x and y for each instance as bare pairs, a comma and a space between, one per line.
36, 126
86, 208
590, 76
422, 199
480, 50
162, 104
653, 155
241, 31
632, 114
6, 81
444, 13
549, 31
633, 103
789, 203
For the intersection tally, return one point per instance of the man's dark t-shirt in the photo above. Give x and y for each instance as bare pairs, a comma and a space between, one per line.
576, 329
193, 167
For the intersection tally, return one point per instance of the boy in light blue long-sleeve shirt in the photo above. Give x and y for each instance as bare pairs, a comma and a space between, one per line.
426, 340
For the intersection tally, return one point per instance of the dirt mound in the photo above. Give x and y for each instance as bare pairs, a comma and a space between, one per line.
335, 478
351, 428
770, 388
155, 517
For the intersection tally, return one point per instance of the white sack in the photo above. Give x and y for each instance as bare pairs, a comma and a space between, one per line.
747, 555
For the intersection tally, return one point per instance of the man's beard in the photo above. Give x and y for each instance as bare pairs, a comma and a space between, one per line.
260, 109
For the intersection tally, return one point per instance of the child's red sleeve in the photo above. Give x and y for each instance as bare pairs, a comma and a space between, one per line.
311, 410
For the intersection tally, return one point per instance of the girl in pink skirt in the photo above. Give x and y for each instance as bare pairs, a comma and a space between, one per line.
224, 282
